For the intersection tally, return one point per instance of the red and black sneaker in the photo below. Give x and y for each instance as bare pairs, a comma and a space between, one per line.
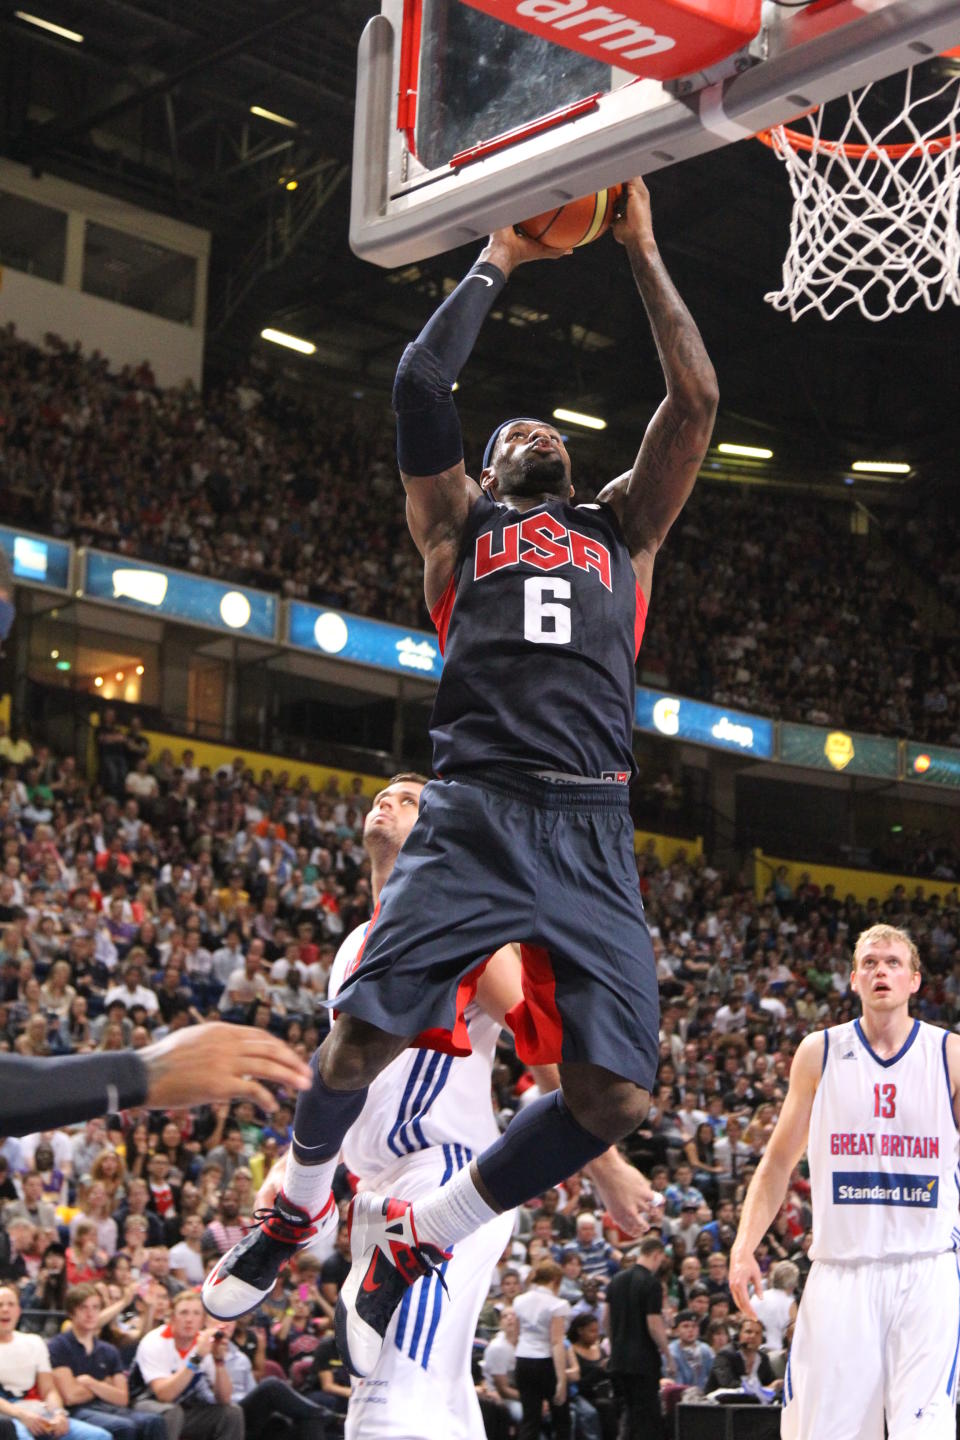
248, 1271
387, 1259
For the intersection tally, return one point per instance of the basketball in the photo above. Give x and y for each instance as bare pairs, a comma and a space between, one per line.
576, 223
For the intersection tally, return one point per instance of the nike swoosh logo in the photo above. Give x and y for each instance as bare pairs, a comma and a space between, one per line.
485, 278
370, 1288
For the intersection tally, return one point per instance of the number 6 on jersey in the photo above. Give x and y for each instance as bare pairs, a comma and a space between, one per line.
537, 611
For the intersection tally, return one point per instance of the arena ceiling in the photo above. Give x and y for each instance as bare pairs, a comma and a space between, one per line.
154, 107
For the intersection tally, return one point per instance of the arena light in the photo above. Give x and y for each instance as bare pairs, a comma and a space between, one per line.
259, 111
746, 452
880, 467
575, 417
291, 342
42, 24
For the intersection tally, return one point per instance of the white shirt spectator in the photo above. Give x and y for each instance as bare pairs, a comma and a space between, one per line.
499, 1358
158, 1356
60, 1144
226, 961
241, 990
535, 1311
139, 996
141, 787
187, 1260
773, 1311
22, 1359
729, 1018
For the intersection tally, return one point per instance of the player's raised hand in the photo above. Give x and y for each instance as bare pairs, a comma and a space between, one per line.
632, 220
218, 1062
744, 1273
508, 248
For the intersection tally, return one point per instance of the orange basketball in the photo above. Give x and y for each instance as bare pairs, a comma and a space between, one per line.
576, 223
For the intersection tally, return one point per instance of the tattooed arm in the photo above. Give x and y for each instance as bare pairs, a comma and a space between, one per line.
648, 498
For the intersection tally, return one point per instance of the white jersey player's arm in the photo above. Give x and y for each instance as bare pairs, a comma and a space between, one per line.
769, 1185
953, 1069
625, 1192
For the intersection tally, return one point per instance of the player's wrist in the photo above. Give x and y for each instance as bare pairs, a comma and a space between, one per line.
496, 253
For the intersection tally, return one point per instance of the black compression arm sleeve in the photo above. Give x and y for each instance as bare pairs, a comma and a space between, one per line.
428, 427
42, 1094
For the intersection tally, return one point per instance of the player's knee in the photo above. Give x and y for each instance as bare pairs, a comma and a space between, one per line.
355, 1052
609, 1107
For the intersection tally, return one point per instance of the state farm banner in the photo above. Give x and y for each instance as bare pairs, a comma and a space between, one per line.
658, 39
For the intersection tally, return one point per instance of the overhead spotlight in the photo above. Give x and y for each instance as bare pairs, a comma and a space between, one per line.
746, 452
880, 467
575, 417
41, 24
292, 185
119, 675
291, 342
139, 669
272, 115
54, 654
98, 681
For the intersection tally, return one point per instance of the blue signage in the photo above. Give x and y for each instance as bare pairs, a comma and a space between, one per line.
682, 719
37, 560
368, 642
177, 596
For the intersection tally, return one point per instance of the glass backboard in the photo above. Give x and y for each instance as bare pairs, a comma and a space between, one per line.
464, 123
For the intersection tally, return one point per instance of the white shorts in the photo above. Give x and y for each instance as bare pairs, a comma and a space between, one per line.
880, 1337
421, 1387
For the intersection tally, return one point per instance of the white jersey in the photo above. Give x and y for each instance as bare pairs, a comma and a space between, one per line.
883, 1149
422, 1098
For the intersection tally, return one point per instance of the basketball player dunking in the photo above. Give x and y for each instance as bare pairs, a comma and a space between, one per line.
876, 1103
539, 605
425, 1118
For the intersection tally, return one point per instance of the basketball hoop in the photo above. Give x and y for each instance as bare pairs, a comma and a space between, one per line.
875, 209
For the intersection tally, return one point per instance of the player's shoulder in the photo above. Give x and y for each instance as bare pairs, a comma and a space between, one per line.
345, 957
810, 1058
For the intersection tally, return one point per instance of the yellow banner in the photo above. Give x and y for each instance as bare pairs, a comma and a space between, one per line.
863, 884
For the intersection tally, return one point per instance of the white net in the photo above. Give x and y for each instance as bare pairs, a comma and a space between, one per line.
875, 206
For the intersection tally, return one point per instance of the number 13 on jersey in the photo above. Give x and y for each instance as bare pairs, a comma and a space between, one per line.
884, 1102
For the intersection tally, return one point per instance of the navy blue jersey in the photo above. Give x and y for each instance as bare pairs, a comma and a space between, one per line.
539, 628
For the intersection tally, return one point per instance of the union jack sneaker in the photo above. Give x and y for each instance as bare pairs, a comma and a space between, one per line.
248, 1271
387, 1259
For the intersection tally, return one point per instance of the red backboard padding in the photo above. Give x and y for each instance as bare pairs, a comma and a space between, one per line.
659, 39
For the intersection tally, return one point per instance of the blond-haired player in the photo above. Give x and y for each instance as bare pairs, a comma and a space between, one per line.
875, 1103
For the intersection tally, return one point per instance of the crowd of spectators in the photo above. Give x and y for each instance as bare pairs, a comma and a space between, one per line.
767, 603
129, 910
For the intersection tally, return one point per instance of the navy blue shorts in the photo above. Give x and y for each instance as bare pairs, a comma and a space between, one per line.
507, 856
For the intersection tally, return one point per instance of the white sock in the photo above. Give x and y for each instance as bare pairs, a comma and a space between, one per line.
451, 1213
308, 1185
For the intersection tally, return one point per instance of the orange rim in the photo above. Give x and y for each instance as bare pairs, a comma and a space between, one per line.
798, 141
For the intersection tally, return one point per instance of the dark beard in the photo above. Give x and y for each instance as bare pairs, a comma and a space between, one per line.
535, 474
